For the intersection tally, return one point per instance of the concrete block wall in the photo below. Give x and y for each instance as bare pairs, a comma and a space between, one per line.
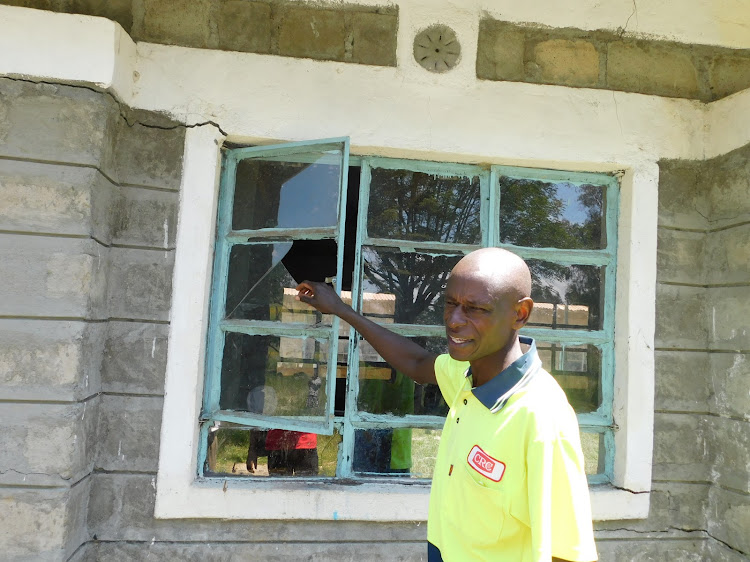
702, 433
88, 193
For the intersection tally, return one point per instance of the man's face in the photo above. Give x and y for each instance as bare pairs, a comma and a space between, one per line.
478, 323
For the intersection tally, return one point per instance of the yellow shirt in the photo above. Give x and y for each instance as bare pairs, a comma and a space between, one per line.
509, 482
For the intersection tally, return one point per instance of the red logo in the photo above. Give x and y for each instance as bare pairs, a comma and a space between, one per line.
485, 464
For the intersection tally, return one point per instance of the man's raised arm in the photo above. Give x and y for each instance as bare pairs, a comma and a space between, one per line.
401, 353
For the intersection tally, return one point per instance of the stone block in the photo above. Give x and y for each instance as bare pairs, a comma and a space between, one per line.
730, 440
176, 22
679, 256
729, 518
682, 381
145, 217
281, 552
140, 284
681, 317
41, 525
726, 255
54, 123
500, 51
116, 10
566, 62
47, 444
135, 358
45, 198
729, 74
656, 549
147, 151
52, 277
122, 509
683, 199
728, 312
310, 32
682, 452
727, 179
128, 433
652, 68
43, 360
244, 26
730, 378
374, 38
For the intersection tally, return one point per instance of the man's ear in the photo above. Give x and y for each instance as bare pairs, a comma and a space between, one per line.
523, 311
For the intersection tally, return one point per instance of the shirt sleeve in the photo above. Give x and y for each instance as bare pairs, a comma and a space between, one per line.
450, 376
559, 504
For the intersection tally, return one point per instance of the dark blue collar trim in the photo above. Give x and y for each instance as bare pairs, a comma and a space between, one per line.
498, 386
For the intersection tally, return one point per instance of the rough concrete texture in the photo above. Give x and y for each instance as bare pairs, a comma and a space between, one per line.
728, 179
122, 507
683, 199
48, 525
128, 433
661, 549
144, 217
52, 277
679, 256
46, 444
140, 284
732, 459
135, 358
603, 59
316, 33
53, 123
690, 461
730, 373
681, 317
50, 360
730, 519
729, 309
729, 249
244, 26
681, 384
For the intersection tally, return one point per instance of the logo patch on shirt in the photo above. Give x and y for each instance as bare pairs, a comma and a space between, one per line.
485, 464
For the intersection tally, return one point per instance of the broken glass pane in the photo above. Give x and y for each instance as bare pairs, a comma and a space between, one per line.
554, 214
566, 297
274, 375
577, 368
408, 205
262, 280
408, 452
383, 390
407, 286
295, 191
240, 451
593, 452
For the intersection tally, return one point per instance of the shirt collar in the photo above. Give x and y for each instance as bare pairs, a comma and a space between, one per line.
495, 393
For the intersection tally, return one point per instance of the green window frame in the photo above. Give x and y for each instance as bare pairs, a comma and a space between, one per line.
598, 423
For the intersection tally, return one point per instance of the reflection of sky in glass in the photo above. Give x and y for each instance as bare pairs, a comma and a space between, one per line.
572, 211
310, 198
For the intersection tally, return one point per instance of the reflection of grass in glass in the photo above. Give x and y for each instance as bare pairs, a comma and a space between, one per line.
328, 452
424, 447
590, 446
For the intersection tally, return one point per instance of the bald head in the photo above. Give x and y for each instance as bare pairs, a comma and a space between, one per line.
503, 272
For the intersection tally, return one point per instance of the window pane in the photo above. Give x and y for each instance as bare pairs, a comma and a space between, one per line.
274, 375
415, 282
383, 390
241, 451
593, 452
551, 214
296, 192
577, 368
410, 205
408, 452
566, 296
262, 280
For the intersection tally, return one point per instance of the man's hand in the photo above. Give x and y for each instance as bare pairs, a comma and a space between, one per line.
321, 296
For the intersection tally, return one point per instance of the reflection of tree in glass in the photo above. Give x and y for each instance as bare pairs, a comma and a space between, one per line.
417, 206
416, 280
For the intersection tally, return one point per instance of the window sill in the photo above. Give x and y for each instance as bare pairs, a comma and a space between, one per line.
216, 498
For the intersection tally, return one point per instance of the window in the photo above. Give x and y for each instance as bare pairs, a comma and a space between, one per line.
293, 393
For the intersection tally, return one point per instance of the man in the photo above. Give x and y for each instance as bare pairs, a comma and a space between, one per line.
509, 483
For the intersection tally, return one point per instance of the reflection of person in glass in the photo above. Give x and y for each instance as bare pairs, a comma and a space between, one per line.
509, 481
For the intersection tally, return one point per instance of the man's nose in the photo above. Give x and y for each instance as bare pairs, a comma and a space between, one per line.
456, 317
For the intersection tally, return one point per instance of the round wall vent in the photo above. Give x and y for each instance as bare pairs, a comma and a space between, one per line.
436, 48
